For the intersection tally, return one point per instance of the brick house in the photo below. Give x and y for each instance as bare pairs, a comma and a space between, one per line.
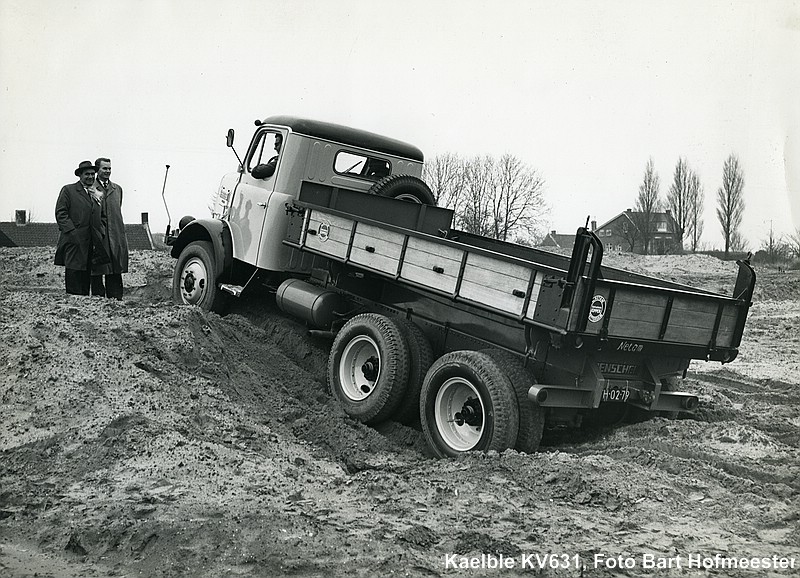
555, 240
622, 233
21, 233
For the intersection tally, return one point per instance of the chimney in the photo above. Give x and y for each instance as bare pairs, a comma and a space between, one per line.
553, 232
594, 226
145, 220
628, 211
669, 212
21, 217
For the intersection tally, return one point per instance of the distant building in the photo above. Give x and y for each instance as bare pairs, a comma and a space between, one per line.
21, 233
558, 241
623, 233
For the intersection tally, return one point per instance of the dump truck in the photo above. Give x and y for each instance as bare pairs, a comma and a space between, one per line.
481, 342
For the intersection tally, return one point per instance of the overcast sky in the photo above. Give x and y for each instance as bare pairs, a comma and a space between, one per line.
584, 92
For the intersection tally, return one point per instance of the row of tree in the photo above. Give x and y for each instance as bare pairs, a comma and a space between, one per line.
503, 198
685, 200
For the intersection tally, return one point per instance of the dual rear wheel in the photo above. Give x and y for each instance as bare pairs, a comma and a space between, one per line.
380, 368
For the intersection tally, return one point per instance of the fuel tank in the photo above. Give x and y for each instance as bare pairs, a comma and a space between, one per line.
314, 305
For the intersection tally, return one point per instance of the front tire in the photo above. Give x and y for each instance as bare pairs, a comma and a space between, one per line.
368, 367
468, 404
194, 282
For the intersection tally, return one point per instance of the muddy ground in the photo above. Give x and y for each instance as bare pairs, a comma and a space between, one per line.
141, 438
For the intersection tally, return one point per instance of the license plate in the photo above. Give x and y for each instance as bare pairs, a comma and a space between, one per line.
615, 393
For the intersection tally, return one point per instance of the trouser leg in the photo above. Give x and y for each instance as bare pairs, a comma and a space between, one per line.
114, 286
97, 287
76, 281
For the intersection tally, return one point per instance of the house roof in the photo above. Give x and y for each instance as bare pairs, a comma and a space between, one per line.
660, 217
554, 239
46, 235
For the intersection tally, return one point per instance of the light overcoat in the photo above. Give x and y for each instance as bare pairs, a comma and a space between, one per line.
82, 223
116, 242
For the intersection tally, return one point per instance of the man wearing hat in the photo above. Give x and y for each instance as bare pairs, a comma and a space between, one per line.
81, 220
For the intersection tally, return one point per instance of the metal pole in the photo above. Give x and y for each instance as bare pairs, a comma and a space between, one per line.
163, 189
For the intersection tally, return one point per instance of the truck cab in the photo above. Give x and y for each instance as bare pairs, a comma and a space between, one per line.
249, 215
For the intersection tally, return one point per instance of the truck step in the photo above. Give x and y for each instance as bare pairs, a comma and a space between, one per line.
235, 290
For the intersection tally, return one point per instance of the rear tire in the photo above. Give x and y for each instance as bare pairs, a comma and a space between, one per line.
368, 367
531, 415
405, 188
194, 278
420, 360
468, 404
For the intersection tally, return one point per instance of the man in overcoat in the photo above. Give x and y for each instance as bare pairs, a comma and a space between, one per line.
116, 243
81, 221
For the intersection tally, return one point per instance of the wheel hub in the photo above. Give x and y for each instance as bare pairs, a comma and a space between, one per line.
188, 282
193, 281
370, 369
360, 368
459, 414
471, 413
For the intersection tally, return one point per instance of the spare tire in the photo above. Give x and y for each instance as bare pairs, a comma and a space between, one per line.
405, 188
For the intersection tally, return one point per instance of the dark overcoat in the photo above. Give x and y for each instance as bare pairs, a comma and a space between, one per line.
116, 243
82, 223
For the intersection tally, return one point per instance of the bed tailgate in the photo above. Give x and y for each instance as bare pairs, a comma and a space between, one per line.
645, 319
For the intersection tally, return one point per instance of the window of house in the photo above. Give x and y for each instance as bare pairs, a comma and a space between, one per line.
661, 227
357, 165
625, 228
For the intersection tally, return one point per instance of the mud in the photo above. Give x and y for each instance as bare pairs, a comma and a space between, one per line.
145, 438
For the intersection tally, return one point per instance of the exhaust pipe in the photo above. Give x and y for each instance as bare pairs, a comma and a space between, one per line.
537, 394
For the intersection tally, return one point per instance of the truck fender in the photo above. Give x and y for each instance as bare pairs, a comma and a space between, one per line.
213, 230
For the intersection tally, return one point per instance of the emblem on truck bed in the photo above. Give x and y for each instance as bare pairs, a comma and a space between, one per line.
323, 231
597, 309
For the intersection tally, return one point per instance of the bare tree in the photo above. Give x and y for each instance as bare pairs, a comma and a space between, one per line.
476, 202
775, 246
647, 204
793, 242
696, 201
679, 198
444, 174
738, 243
499, 198
630, 232
519, 190
730, 204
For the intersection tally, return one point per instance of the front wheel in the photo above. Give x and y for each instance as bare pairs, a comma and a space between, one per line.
468, 404
193, 281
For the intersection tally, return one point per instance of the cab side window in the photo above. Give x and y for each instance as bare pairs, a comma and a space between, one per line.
357, 165
264, 157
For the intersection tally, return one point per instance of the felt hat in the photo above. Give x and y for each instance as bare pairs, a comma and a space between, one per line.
84, 166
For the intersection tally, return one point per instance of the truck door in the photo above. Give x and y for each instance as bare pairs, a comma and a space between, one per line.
252, 195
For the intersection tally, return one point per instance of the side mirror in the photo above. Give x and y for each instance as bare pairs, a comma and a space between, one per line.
229, 138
